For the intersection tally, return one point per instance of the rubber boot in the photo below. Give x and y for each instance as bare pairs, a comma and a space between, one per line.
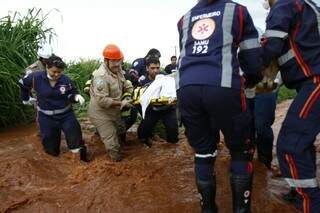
207, 190
241, 193
83, 154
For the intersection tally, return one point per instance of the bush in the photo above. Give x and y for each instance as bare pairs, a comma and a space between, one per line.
285, 94
19, 39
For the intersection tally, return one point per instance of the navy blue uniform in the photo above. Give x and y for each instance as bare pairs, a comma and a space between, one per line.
137, 70
292, 37
167, 114
211, 96
54, 110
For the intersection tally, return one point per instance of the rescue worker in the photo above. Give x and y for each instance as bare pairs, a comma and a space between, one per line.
211, 93
55, 94
106, 90
165, 113
292, 37
44, 53
138, 69
172, 66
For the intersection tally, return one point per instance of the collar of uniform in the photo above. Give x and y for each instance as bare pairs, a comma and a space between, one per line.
44, 76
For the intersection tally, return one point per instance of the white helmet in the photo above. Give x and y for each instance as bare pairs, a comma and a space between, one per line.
45, 51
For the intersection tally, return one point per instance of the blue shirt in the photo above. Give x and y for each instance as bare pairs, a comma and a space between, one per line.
210, 37
292, 37
140, 66
48, 98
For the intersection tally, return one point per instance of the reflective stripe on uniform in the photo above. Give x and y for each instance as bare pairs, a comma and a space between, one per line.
316, 12
227, 21
207, 155
185, 28
54, 112
249, 44
302, 183
286, 57
275, 33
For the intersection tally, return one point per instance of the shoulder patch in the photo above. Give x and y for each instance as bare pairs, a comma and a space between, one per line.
99, 83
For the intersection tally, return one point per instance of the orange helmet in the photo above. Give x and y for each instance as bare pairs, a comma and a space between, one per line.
112, 52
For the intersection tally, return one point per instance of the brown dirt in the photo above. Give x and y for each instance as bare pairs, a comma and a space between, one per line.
159, 179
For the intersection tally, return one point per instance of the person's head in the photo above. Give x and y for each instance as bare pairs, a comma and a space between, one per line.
44, 53
113, 57
153, 53
55, 67
173, 60
153, 67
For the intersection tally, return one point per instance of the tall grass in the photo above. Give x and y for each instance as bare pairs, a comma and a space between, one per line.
19, 39
80, 72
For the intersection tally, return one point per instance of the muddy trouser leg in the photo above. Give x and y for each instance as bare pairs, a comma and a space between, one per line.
203, 139
50, 134
264, 113
109, 136
147, 124
295, 147
72, 131
169, 118
129, 121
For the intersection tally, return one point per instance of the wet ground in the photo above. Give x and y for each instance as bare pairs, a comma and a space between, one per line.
157, 179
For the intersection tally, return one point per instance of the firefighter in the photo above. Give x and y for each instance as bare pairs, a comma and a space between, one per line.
211, 93
106, 92
44, 52
292, 37
55, 94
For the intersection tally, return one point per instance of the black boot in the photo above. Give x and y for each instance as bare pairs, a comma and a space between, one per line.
207, 190
83, 154
241, 193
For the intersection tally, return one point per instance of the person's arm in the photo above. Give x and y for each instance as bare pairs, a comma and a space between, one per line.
250, 50
279, 21
26, 84
102, 94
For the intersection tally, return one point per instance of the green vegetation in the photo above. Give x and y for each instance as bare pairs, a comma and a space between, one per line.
285, 93
19, 39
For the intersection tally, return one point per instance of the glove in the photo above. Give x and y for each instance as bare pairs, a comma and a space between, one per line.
252, 79
134, 74
78, 98
30, 102
126, 103
142, 78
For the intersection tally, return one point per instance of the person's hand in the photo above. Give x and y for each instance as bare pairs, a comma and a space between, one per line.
30, 102
252, 79
134, 74
125, 103
78, 98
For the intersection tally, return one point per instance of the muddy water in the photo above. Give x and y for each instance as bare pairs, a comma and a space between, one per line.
159, 179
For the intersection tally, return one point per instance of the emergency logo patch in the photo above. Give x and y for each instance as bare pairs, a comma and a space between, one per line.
203, 29
99, 83
63, 90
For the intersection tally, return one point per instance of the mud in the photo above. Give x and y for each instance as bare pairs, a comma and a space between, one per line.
157, 179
